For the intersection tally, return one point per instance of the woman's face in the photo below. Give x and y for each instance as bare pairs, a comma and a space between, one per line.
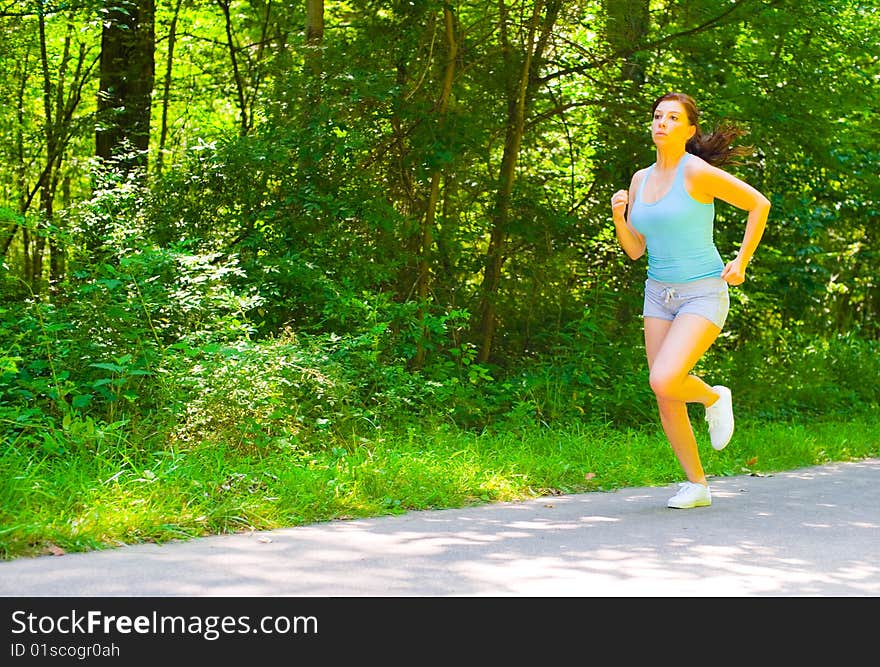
670, 125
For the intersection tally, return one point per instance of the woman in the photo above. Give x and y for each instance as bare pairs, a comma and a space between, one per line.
671, 212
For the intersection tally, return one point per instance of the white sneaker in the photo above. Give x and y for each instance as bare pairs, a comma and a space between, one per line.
690, 495
719, 415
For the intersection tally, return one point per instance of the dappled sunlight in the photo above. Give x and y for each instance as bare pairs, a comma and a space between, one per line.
622, 543
543, 525
636, 497
599, 519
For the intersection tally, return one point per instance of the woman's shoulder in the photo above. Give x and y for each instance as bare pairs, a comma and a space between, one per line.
697, 166
695, 162
704, 181
639, 176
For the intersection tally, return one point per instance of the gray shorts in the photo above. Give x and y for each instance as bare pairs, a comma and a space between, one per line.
707, 297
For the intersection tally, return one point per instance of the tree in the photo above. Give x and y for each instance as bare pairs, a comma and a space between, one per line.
428, 220
166, 85
127, 73
522, 67
58, 83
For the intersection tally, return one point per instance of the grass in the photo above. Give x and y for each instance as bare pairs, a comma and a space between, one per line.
107, 490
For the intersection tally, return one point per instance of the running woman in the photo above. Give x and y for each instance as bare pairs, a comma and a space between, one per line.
669, 210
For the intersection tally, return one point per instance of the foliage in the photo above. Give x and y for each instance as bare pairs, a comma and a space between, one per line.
301, 267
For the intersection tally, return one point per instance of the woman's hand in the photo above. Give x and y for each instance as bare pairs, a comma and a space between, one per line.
735, 271
619, 200
630, 240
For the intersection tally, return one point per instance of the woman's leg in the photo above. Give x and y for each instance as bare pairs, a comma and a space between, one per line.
673, 349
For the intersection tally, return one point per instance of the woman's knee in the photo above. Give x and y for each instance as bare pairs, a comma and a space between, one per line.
664, 382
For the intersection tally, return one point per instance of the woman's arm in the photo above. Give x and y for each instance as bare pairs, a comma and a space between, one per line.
630, 240
708, 182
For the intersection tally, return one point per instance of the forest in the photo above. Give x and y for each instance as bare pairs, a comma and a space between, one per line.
271, 226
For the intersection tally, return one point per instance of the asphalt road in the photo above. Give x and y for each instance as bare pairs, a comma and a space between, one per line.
809, 532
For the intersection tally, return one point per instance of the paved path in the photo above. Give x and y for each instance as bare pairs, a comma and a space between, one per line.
810, 532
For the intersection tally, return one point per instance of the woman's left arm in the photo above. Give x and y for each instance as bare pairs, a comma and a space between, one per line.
717, 183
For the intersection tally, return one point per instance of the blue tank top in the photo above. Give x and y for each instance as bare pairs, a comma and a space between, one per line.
678, 231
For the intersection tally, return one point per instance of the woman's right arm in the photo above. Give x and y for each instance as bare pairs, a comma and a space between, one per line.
630, 240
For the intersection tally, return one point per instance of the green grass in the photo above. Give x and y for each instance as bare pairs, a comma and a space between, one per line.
107, 490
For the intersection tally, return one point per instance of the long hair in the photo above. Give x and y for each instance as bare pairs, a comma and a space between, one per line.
714, 147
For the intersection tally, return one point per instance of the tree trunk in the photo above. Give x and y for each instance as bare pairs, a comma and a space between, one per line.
166, 87
126, 85
518, 102
39, 247
57, 255
34, 271
627, 25
313, 69
244, 120
21, 163
424, 273
314, 36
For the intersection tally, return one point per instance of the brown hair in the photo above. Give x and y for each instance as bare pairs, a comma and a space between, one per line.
715, 147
